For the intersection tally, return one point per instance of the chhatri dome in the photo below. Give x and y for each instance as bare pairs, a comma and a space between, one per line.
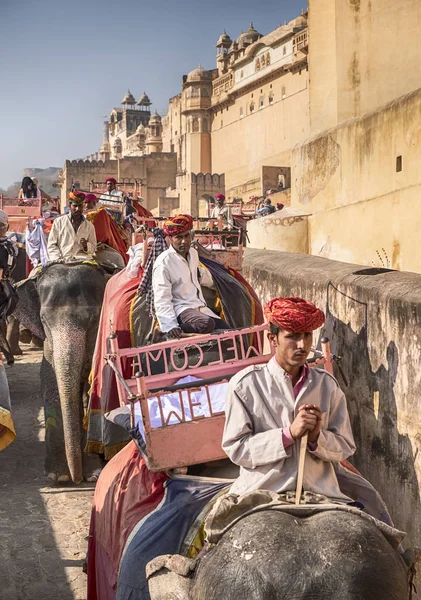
155, 118
144, 100
224, 40
128, 99
248, 37
199, 74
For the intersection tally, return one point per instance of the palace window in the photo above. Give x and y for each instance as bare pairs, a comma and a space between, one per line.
398, 164
283, 93
257, 64
261, 102
241, 112
262, 62
284, 50
271, 98
251, 107
241, 74
267, 59
195, 125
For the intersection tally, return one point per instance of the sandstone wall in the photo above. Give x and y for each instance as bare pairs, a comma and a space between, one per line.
374, 323
361, 181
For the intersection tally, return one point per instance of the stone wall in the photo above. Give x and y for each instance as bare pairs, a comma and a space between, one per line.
374, 323
361, 181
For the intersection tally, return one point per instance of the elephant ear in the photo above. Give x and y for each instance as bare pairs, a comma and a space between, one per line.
169, 577
28, 308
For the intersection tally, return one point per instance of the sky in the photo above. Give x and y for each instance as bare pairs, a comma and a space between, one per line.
65, 64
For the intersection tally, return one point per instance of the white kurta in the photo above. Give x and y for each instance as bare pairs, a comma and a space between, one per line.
225, 213
64, 241
176, 287
259, 404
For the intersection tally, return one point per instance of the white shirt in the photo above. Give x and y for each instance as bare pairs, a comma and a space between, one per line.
64, 241
224, 212
259, 404
176, 287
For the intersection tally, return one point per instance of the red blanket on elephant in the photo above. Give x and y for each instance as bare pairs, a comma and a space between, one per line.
107, 231
105, 437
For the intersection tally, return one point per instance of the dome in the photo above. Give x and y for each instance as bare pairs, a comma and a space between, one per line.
140, 129
144, 100
300, 21
198, 74
155, 119
224, 40
128, 98
248, 37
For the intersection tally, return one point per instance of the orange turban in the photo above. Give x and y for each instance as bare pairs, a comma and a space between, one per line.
294, 314
178, 224
76, 197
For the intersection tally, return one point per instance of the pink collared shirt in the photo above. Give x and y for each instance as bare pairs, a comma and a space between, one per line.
287, 438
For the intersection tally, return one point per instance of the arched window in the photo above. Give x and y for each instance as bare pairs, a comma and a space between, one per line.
195, 125
267, 59
252, 107
261, 102
257, 64
271, 97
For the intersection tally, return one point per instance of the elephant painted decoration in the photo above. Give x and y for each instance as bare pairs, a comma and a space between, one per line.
62, 307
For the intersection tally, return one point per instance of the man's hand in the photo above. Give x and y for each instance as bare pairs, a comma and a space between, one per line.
175, 333
84, 244
308, 419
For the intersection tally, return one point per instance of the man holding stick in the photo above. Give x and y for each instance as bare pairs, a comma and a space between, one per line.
269, 408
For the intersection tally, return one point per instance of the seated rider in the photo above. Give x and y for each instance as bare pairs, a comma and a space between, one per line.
221, 210
179, 303
72, 236
113, 201
270, 407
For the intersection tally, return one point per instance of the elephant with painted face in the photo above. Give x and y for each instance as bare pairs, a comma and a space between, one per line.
272, 555
63, 307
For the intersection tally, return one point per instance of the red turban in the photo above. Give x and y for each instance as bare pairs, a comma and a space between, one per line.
90, 199
114, 181
76, 197
177, 225
294, 314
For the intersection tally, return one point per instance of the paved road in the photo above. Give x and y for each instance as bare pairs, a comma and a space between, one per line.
43, 528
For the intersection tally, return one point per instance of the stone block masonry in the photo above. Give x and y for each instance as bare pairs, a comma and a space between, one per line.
373, 319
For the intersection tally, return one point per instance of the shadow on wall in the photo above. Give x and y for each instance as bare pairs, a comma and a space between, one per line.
383, 455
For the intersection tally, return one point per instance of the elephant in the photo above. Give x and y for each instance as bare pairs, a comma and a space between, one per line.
273, 555
62, 307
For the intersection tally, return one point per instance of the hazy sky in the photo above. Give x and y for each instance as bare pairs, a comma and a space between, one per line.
65, 64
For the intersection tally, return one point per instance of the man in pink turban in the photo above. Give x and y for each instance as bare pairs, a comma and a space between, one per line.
270, 407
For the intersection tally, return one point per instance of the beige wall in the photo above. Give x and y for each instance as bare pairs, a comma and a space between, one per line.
157, 171
242, 145
363, 54
361, 205
283, 230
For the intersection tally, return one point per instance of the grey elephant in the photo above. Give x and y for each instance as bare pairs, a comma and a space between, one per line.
272, 555
63, 307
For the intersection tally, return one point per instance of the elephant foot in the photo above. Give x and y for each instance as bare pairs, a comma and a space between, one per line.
25, 336
93, 477
16, 351
36, 342
52, 476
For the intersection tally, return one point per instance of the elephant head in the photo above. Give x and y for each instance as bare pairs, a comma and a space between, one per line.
63, 308
332, 555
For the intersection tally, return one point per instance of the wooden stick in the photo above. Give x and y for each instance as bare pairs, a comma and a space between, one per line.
301, 465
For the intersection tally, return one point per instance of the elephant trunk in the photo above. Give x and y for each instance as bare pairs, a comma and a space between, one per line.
69, 358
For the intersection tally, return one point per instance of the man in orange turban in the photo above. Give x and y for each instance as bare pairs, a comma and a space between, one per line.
177, 278
270, 407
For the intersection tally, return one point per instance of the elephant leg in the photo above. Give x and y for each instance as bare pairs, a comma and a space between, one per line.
12, 335
25, 335
55, 460
36, 342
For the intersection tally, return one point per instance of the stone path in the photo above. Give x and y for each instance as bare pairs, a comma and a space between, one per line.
43, 528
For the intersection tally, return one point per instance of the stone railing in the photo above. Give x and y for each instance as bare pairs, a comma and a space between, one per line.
222, 84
